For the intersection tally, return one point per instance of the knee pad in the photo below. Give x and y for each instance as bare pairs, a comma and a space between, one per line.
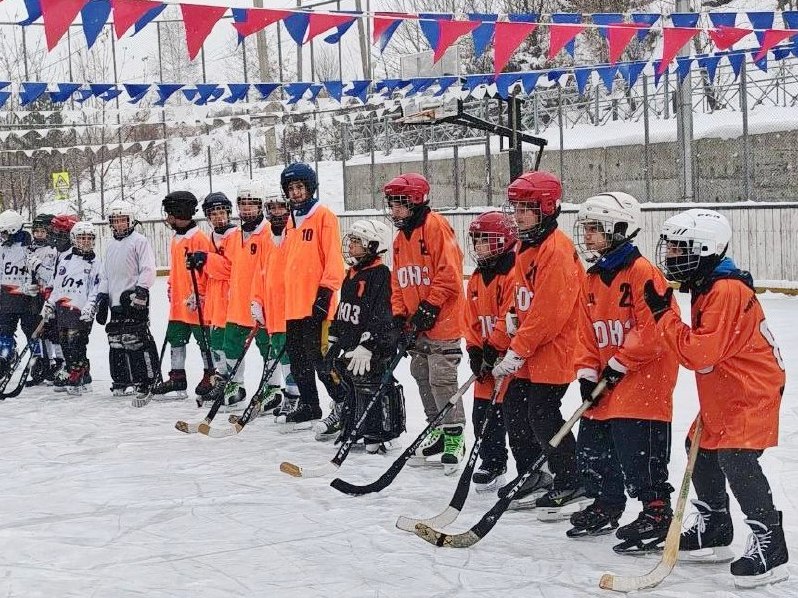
115, 341
132, 341
8, 347
387, 418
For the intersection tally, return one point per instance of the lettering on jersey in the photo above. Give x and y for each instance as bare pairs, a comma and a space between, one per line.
70, 282
626, 295
423, 247
11, 270
413, 276
523, 298
591, 299
307, 234
487, 323
253, 248
611, 332
349, 313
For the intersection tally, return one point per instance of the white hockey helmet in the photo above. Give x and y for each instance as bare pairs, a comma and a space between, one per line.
374, 236
249, 194
692, 243
11, 222
122, 214
614, 214
83, 236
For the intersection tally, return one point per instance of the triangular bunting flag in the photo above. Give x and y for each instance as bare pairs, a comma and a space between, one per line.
238, 92
297, 24
34, 9
736, 60
384, 26
781, 53
190, 93
606, 18
645, 19
770, 39
790, 18
136, 91
419, 85
582, 75
725, 37
607, 74
568, 20
165, 91
65, 91
127, 12
710, 63
685, 20
761, 21
448, 33
673, 40
658, 73
199, 21
507, 38
335, 89
97, 89
723, 19
94, 16
359, 89
561, 36
761, 63
474, 81
295, 91
265, 89
339, 32
618, 37
58, 16
148, 18
206, 91
445, 83
31, 91
530, 81
319, 22
429, 23
635, 68
4, 95
683, 67
314, 90
483, 34
259, 18
503, 83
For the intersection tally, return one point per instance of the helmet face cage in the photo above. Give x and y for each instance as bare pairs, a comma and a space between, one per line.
274, 204
404, 201
486, 246
678, 258
515, 209
121, 224
353, 239
83, 237
593, 238
218, 215
245, 204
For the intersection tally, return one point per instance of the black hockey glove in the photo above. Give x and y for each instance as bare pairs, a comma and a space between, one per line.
407, 334
196, 260
586, 387
102, 308
658, 304
476, 361
490, 354
425, 316
612, 376
321, 306
140, 298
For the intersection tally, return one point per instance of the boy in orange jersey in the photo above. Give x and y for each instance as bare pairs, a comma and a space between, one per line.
217, 209
740, 377
427, 299
268, 309
541, 354
489, 296
314, 272
180, 207
624, 438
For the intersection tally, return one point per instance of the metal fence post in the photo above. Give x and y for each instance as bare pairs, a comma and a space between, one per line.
646, 139
488, 171
562, 135
456, 177
745, 138
372, 174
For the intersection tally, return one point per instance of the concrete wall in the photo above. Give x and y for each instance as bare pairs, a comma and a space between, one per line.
719, 173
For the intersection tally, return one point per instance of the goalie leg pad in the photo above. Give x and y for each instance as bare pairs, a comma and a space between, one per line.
387, 418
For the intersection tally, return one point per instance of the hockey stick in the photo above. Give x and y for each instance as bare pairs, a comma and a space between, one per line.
452, 511
28, 350
143, 401
217, 402
386, 478
670, 553
206, 349
254, 407
386, 381
480, 529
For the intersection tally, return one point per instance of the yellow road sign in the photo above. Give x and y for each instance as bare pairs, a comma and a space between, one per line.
61, 185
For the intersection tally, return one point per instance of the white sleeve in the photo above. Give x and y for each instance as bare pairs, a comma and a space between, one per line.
97, 280
146, 258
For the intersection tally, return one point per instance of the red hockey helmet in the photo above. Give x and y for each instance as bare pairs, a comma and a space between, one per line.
63, 223
499, 232
411, 187
539, 187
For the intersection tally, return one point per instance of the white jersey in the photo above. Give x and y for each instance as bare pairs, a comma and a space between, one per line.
76, 282
129, 263
43, 272
14, 267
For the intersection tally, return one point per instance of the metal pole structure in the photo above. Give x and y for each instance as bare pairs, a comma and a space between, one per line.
25, 55
684, 121
646, 141
456, 173
280, 59
364, 43
746, 139
562, 134
249, 131
72, 107
263, 49
163, 111
207, 128
340, 48
299, 52
516, 150
372, 174
119, 128
344, 150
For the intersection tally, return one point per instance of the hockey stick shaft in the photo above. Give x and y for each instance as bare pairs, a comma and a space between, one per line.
28, 350
390, 474
217, 402
206, 348
670, 553
253, 403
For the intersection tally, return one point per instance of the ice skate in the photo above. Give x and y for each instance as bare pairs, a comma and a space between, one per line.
453, 449
207, 384
330, 427
123, 390
172, 389
79, 381
302, 417
535, 486
552, 505
287, 405
234, 395
765, 558
708, 536
374, 447
61, 378
429, 452
488, 479
646, 533
597, 519
269, 399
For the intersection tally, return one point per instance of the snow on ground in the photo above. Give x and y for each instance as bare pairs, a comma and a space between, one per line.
101, 499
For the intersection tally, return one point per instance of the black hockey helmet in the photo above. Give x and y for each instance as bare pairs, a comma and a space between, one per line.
180, 204
217, 199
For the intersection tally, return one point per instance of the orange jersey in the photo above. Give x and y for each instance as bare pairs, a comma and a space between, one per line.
268, 287
245, 251
738, 368
313, 259
179, 281
428, 265
218, 270
613, 305
549, 283
489, 296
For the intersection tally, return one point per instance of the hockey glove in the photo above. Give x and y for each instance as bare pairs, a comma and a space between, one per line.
140, 298
48, 312
88, 312
102, 308
333, 353
511, 322
321, 306
613, 375
476, 361
586, 387
425, 316
508, 366
359, 361
490, 355
196, 260
256, 311
658, 304
191, 302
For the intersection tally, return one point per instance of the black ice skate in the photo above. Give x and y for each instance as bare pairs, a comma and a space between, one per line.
287, 405
597, 519
270, 399
488, 478
535, 486
765, 558
301, 418
79, 381
551, 506
646, 533
173, 388
708, 535
330, 427
429, 452
207, 383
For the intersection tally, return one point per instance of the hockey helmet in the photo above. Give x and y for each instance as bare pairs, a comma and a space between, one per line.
121, 220
495, 235
535, 193
409, 191
302, 173
180, 204
83, 236
604, 222
372, 236
692, 243
11, 222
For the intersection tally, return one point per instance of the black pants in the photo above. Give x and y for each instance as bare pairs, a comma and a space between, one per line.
303, 345
9, 321
746, 479
631, 453
73, 343
532, 416
132, 353
493, 450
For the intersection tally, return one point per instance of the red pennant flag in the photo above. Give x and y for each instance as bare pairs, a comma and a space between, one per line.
58, 16
382, 21
199, 21
725, 37
770, 39
673, 40
320, 22
128, 12
449, 32
259, 18
506, 39
619, 36
560, 35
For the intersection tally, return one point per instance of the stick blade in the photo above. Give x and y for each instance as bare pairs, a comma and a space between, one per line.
447, 517
217, 432
186, 427
297, 471
436, 538
651, 579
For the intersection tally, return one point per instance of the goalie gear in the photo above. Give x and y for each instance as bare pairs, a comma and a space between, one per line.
365, 240
385, 421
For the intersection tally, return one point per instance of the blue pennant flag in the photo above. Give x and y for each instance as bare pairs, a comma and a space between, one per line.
206, 91
710, 63
335, 89
685, 19
339, 32
683, 67
781, 52
530, 81
84, 93
762, 63
657, 74
65, 91
644, 18
555, 74
736, 60
428, 22
97, 89
315, 88
296, 90
190, 93
606, 18
569, 18
238, 92
790, 18
760, 20
148, 18
297, 26
607, 74
265, 89
165, 91
136, 91
531, 17
110, 94
4, 84
30, 92
359, 89
474, 81
504, 81
723, 19
445, 83
388, 33
240, 15
94, 16
390, 85
4, 95
635, 68
483, 34
419, 85
582, 75
34, 12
